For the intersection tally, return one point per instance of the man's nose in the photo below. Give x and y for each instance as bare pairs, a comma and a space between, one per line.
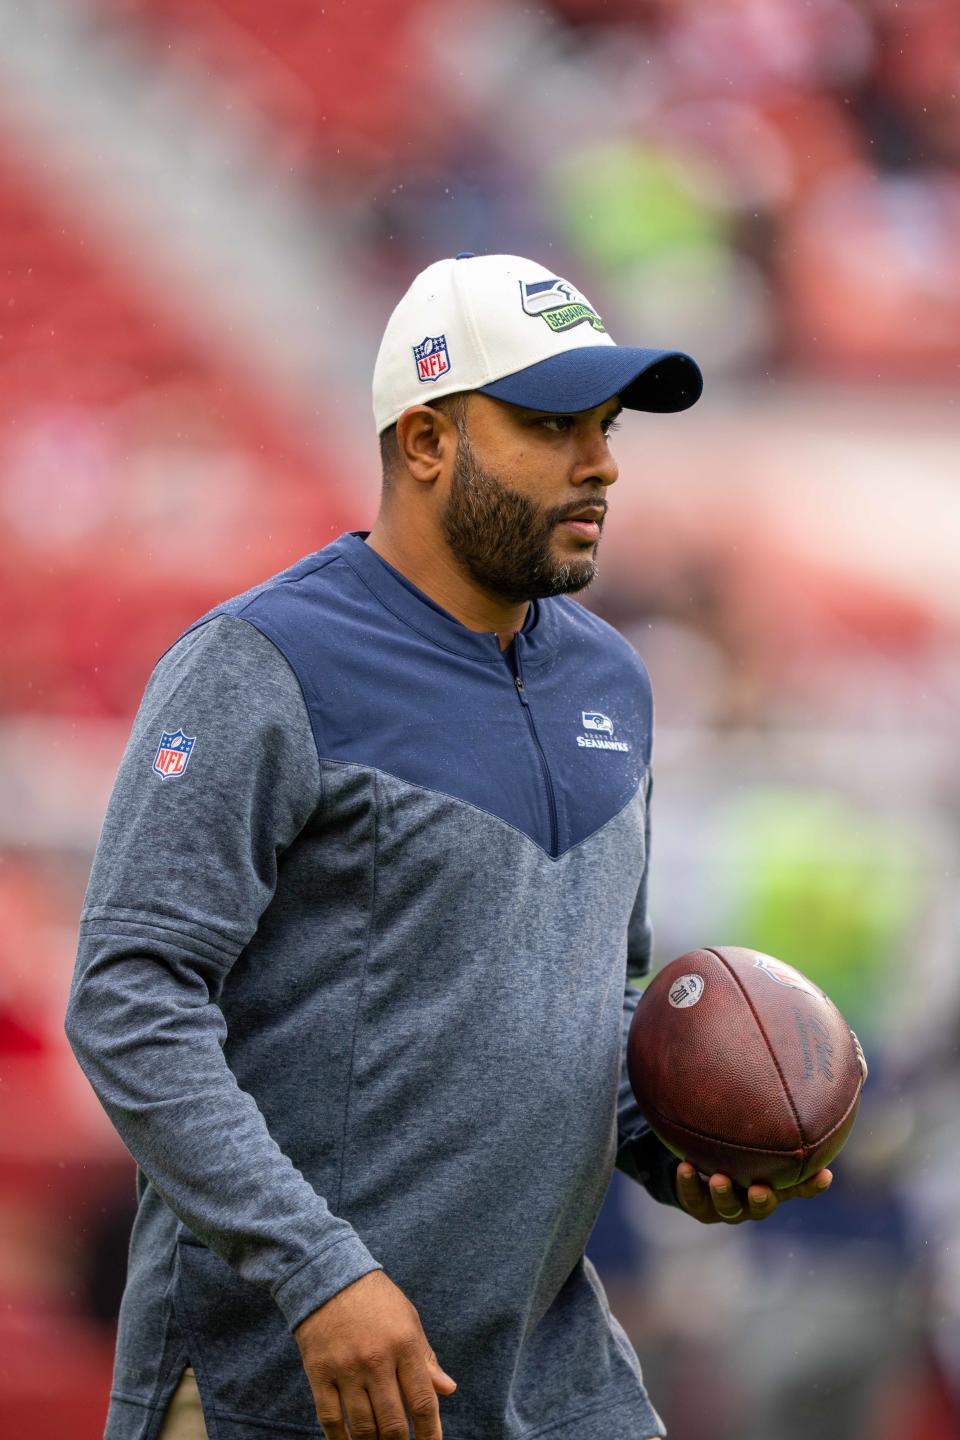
596, 462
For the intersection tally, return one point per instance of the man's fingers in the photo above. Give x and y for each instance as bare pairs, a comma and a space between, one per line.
692, 1193
818, 1184
358, 1407
726, 1200
762, 1201
688, 1181
329, 1411
720, 1199
420, 1397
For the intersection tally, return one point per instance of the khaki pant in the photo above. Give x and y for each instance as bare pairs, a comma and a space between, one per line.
184, 1417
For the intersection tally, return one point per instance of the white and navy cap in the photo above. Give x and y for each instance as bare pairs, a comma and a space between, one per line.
511, 329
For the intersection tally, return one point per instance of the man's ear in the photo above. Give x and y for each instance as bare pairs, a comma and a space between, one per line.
426, 441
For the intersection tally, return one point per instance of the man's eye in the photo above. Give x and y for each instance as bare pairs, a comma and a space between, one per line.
560, 424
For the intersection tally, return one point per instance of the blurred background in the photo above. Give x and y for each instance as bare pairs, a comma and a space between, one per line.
208, 208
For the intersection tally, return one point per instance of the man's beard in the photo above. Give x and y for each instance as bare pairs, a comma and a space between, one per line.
503, 540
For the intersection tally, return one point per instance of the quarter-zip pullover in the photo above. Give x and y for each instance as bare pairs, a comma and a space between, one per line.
353, 986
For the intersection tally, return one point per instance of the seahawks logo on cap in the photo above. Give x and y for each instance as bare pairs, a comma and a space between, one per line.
558, 303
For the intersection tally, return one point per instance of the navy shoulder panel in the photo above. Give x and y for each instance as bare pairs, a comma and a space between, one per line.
394, 683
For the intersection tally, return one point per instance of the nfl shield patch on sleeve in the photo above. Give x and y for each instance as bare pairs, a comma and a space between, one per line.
173, 753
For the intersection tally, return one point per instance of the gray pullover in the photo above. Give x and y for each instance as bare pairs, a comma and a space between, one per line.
353, 986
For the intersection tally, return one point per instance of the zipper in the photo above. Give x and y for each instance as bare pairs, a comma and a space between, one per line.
547, 782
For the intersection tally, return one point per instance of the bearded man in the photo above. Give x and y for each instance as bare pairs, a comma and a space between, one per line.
354, 962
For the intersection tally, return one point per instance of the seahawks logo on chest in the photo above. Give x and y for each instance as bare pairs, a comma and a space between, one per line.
601, 736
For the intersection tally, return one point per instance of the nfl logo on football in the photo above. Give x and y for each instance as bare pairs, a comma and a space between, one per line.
432, 357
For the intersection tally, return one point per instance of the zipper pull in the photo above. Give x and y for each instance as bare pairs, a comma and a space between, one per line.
520, 690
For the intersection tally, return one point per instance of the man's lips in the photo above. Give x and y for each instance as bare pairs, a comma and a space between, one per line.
586, 521
588, 529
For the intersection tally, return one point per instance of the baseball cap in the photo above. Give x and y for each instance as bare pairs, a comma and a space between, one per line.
512, 329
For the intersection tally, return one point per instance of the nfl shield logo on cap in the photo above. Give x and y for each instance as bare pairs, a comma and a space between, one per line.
173, 753
432, 357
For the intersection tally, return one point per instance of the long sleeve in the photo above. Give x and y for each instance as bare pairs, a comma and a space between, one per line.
639, 1153
184, 869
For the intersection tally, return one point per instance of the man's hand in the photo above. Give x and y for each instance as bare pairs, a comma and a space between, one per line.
720, 1200
365, 1354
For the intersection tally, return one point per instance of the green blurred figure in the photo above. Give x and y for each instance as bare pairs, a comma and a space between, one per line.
826, 886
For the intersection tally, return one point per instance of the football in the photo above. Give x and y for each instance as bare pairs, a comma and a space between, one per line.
742, 1065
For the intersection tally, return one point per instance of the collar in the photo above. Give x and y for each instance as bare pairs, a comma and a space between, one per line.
536, 642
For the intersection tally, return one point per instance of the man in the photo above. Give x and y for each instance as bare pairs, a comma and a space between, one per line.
352, 980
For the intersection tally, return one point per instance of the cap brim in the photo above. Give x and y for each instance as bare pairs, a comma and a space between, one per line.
659, 380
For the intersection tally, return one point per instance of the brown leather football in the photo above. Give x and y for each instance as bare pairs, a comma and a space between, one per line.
742, 1065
